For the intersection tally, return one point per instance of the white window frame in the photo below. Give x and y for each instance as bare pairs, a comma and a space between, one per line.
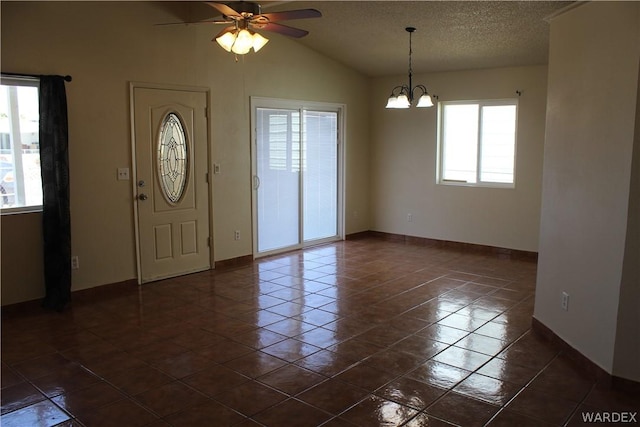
441, 152
20, 81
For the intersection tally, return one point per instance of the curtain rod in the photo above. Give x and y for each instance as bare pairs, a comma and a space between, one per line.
67, 78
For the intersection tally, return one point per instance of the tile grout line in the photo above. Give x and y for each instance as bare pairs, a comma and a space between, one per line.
522, 389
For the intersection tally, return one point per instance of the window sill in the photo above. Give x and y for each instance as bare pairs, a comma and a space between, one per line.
477, 185
20, 210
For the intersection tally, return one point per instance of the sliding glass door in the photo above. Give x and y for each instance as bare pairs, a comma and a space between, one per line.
277, 179
296, 172
320, 177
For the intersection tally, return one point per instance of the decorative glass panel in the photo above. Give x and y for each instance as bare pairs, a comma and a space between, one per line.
172, 158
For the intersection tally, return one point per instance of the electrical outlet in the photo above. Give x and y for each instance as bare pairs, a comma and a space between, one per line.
75, 262
236, 235
123, 174
565, 301
409, 217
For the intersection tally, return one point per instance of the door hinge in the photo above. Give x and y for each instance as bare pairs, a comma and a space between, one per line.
209, 241
206, 177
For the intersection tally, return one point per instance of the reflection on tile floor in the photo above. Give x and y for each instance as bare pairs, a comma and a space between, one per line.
364, 332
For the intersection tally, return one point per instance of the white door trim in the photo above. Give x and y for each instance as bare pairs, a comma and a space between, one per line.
134, 179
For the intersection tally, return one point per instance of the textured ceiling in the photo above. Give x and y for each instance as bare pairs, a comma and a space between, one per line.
370, 36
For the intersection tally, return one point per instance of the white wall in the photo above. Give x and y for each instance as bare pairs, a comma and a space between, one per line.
104, 46
591, 113
403, 167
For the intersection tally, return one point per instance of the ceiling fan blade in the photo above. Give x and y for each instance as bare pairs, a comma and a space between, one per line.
284, 29
206, 21
224, 9
292, 14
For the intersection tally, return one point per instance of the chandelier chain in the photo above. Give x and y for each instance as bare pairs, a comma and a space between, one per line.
410, 52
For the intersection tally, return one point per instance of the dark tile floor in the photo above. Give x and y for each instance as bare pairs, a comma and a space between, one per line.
364, 332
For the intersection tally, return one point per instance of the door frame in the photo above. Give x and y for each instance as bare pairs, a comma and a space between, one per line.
290, 104
134, 178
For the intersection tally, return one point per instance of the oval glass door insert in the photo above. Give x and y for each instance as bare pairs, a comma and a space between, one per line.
172, 158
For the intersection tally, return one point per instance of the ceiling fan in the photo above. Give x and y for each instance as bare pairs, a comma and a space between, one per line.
245, 17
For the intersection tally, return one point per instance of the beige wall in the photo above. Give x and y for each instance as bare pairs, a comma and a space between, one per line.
627, 349
591, 125
106, 45
22, 272
404, 161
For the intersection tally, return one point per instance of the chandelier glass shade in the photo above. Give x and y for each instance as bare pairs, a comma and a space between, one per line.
403, 96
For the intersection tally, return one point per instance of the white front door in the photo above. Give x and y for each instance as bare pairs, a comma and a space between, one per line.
171, 174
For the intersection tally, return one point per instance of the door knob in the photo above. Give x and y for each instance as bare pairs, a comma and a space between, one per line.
143, 196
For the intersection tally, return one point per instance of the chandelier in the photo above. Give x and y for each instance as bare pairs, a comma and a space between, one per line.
402, 96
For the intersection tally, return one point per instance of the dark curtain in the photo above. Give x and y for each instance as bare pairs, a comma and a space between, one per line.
56, 219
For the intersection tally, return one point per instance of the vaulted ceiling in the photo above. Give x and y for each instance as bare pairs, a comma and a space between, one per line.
370, 36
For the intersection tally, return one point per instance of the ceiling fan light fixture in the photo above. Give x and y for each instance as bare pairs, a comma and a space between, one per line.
259, 42
243, 42
227, 40
239, 38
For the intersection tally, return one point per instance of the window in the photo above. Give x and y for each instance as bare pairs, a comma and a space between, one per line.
172, 158
477, 143
20, 180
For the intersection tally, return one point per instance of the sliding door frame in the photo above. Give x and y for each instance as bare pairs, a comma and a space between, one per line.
301, 106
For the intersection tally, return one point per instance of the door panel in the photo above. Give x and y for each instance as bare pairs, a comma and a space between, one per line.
278, 160
162, 242
172, 192
320, 183
189, 234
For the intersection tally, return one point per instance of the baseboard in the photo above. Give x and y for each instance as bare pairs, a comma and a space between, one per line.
582, 362
21, 308
358, 235
234, 262
458, 246
101, 291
